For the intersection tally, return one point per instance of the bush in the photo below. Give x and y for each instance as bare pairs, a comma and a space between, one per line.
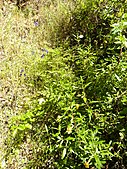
75, 120
58, 125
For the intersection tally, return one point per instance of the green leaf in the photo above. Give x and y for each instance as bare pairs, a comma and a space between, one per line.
85, 99
117, 77
87, 84
24, 126
21, 127
14, 133
46, 128
29, 126
98, 162
70, 138
64, 153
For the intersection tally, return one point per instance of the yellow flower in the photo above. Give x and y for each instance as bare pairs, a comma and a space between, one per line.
86, 164
69, 129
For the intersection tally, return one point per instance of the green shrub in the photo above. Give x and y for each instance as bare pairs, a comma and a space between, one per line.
61, 126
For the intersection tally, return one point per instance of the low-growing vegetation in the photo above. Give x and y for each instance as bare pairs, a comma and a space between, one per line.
63, 84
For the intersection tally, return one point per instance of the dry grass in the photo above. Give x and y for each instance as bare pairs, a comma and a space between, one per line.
23, 34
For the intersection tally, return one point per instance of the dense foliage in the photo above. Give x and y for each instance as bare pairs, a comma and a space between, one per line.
68, 70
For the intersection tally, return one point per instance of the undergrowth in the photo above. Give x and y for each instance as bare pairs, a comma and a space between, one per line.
63, 84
